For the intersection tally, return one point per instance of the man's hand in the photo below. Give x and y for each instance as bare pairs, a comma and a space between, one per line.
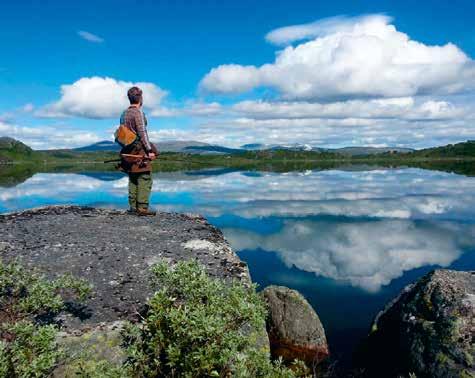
152, 156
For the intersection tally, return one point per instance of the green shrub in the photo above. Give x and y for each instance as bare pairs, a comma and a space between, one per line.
28, 348
197, 326
31, 352
84, 367
27, 294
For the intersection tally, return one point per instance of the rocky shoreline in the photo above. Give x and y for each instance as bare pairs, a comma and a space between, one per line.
113, 251
430, 326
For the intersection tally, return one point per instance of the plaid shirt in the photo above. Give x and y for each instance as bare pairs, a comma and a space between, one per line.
135, 120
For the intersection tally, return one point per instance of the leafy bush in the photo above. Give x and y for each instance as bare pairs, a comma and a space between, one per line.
27, 347
197, 326
27, 294
83, 367
31, 352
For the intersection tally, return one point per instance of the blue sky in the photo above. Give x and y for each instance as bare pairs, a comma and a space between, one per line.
352, 72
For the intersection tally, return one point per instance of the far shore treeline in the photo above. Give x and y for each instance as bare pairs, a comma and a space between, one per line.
16, 157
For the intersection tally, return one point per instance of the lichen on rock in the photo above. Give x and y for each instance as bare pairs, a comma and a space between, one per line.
428, 330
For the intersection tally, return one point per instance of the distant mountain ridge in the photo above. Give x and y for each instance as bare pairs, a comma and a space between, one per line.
190, 147
103, 145
194, 147
353, 151
370, 150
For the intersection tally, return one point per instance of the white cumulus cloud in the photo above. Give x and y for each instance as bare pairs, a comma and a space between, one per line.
402, 108
231, 78
99, 97
350, 58
49, 137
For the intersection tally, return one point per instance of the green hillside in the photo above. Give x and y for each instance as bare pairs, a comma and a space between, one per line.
12, 150
464, 149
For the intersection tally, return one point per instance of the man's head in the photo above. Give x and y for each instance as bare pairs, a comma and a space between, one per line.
135, 96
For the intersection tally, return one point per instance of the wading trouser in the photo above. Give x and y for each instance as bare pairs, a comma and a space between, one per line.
140, 186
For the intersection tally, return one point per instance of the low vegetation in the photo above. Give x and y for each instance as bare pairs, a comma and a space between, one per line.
195, 326
28, 304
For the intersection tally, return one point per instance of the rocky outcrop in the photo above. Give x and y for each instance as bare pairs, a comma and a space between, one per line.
113, 251
428, 330
294, 328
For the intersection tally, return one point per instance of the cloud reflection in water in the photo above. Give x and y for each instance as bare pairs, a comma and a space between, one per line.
366, 254
365, 228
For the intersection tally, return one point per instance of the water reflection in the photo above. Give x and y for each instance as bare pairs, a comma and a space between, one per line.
410, 193
366, 254
363, 228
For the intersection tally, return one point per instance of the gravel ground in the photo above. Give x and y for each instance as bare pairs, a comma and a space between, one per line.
113, 251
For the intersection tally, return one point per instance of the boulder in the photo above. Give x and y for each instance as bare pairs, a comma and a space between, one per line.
293, 326
428, 330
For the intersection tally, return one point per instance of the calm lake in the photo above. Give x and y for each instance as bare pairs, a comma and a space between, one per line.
349, 240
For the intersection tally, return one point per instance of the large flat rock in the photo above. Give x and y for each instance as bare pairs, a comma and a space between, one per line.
112, 250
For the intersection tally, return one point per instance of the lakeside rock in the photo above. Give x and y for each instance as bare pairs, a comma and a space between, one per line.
428, 330
113, 251
293, 326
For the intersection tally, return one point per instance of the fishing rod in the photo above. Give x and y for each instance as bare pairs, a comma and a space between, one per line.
141, 157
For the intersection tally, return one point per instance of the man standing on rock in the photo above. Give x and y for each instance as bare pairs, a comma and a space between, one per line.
136, 158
